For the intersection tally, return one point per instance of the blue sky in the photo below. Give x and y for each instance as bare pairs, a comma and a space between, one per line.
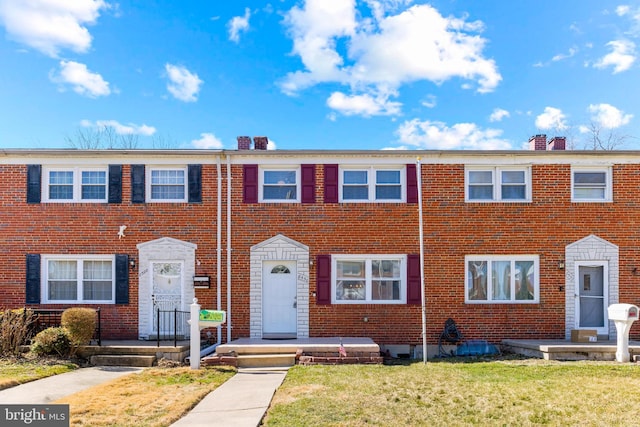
329, 74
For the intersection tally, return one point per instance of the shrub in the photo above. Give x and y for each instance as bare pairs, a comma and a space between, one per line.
15, 326
80, 322
54, 341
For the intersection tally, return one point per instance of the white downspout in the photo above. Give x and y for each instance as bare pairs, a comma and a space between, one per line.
228, 249
421, 233
219, 245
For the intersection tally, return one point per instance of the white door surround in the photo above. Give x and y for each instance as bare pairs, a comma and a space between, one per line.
590, 251
283, 249
160, 263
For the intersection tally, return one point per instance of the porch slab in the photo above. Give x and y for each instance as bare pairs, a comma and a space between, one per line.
166, 350
567, 350
306, 345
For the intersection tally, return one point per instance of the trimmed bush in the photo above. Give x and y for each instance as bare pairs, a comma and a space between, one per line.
52, 341
80, 322
15, 327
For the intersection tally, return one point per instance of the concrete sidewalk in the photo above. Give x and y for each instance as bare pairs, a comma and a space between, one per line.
242, 401
55, 387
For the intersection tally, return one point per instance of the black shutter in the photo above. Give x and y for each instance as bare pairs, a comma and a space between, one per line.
115, 183
323, 279
195, 183
308, 186
33, 279
331, 183
122, 279
250, 184
137, 183
34, 175
412, 184
414, 280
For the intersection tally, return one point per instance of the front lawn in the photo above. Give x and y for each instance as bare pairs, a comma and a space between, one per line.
14, 371
458, 392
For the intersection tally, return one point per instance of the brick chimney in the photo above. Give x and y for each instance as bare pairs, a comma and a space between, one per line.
244, 143
538, 142
557, 143
260, 142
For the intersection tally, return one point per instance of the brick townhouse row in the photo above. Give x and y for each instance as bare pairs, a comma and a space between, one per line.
325, 243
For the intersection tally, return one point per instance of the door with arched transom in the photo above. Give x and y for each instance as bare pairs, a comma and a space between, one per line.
279, 299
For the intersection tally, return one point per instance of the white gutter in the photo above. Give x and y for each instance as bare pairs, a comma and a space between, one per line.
228, 250
219, 246
421, 233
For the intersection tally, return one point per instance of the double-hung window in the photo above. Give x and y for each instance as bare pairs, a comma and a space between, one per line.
374, 184
79, 279
374, 279
591, 185
75, 184
280, 185
167, 184
498, 184
502, 279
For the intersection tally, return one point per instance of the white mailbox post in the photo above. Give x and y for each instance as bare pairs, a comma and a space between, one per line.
201, 319
623, 315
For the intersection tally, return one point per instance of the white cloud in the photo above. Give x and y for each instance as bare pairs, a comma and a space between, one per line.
82, 81
437, 135
498, 114
429, 101
621, 58
608, 116
364, 105
51, 25
239, 24
207, 141
552, 118
559, 57
183, 84
622, 10
119, 128
385, 51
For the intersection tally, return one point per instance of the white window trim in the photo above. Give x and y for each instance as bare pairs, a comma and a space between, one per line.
261, 172
77, 184
608, 191
371, 182
491, 258
148, 171
368, 279
497, 183
44, 278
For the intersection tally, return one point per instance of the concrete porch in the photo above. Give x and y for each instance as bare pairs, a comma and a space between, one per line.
133, 352
255, 352
567, 350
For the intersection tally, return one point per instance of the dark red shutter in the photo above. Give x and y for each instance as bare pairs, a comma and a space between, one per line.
414, 282
308, 173
323, 279
250, 184
412, 184
331, 183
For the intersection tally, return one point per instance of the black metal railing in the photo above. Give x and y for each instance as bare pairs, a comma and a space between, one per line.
171, 325
51, 318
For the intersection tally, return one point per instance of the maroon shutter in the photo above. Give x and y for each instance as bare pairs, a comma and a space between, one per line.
414, 282
250, 184
308, 183
412, 184
331, 183
323, 280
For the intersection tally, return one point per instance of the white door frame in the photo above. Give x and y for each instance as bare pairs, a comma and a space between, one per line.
604, 330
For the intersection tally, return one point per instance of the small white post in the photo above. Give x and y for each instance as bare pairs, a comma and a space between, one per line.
194, 358
622, 348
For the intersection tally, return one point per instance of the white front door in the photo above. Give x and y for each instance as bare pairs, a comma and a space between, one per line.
166, 298
592, 296
279, 299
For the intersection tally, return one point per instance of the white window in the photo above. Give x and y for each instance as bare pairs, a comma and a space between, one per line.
280, 185
75, 184
591, 185
371, 279
502, 279
498, 184
84, 279
374, 184
167, 184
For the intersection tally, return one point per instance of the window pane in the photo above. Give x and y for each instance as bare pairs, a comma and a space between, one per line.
501, 278
94, 185
350, 269
589, 178
63, 290
525, 279
385, 268
280, 177
61, 270
589, 193
349, 290
355, 192
174, 177
355, 177
285, 192
513, 192
387, 177
481, 192
61, 178
513, 177
388, 192
477, 286
385, 290
481, 177
61, 185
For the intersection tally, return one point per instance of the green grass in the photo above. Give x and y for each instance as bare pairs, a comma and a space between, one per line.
18, 371
457, 393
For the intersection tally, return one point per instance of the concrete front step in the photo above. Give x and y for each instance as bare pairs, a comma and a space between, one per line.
266, 360
123, 360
